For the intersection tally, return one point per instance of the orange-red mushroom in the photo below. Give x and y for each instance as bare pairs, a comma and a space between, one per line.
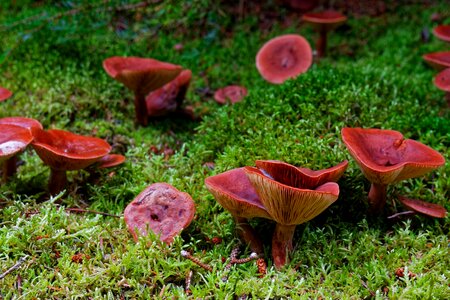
386, 157
230, 94
442, 82
438, 60
284, 57
4, 94
425, 208
442, 32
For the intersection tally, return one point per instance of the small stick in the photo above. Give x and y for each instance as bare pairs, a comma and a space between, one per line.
82, 210
408, 212
233, 256
195, 260
16, 266
252, 256
187, 288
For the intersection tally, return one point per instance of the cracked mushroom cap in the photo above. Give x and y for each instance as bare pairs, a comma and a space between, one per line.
385, 156
4, 94
287, 204
284, 57
28, 123
235, 193
63, 150
231, 94
442, 80
161, 208
442, 32
13, 139
438, 60
426, 208
324, 20
141, 75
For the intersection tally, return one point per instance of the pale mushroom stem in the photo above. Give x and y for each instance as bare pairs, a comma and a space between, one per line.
377, 197
321, 45
248, 234
140, 108
282, 244
9, 167
57, 181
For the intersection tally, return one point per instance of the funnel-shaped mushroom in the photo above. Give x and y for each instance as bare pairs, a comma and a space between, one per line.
235, 193
13, 140
442, 82
4, 94
425, 208
284, 57
142, 76
386, 157
168, 98
323, 22
292, 196
442, 32
161, 208
438, 60
230, 94
65, 151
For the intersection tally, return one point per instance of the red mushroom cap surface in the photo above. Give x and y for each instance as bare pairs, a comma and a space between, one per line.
161, 208
140, 74
325, 20
442, 80
63, 150
438, 60
426, 208
111, 160
4, 94
284, 57
442, 32
28, 123
13, 139
231, 93
385, 156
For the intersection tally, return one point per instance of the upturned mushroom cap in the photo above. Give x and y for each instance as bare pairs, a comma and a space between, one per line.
161, 208
111, 160
442, 80
231, 93
4, 94
235, 193
442, 32
438, 60
291, 205
63, 150
426, 208
324, 20
141, 75
385, 157
28, 123
284, 57
13, 139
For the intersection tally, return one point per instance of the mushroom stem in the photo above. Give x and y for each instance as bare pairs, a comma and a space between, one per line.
140, 108
9, 167
321, 45
282, 244
57, 181
377, 197
248, 234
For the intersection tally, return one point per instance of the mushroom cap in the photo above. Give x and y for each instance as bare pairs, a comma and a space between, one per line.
169, 97
141, 75
442, 32
442, 80
235, 193
289, 205
63, 150
4, 94
161, 208
438, 60
110, 160
385, 157
28, 123
426, 208
325, 20
284, 57
13, 139
231, 93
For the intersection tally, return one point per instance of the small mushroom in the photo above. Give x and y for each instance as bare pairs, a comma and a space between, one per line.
142, 76
323, 22
235, 193
110, 160
65, 151
161, 208
284, 57
442, 82
386, 157
425, 208
442, 32
4, 94
230, 94
438, 60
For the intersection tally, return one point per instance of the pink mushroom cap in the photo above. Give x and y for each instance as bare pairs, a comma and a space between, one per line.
426, 208
325, 20
4, 94
28, 123
438, 60
442, 32
231, 93
442, 80
13, 139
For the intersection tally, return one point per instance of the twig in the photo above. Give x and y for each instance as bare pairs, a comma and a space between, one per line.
195, 260
408, 212
16, 266
367, 287
187, 288
227, 268
82, 210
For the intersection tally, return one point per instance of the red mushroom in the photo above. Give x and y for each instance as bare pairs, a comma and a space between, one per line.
28, 123
442, 32
386, 157
161, 208
442, 82
4, 94
110, 160
284, 57
230, 94
142, 76
323, 22
438, 60
65, 151
425, 208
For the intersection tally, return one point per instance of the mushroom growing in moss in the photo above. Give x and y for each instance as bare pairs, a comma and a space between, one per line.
442, 82
424, 208
4, 94
230, 94
442, 32
438, 60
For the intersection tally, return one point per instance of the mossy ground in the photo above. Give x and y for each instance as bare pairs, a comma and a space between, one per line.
51, 58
